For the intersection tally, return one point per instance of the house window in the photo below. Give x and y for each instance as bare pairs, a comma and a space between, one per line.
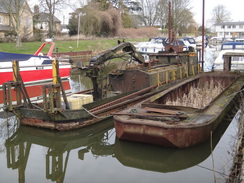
28, 23
233, 27
227, 33
222, 27
241, 26
229, 26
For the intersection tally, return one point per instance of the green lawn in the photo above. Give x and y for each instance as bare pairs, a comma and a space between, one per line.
96, 45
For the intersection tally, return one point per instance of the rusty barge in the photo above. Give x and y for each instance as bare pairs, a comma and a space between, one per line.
111, 93
177, 117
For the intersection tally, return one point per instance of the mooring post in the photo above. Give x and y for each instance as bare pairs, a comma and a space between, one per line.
44, 96
10, 104
57, 83
16, 74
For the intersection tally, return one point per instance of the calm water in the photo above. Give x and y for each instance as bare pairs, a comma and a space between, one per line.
93, 154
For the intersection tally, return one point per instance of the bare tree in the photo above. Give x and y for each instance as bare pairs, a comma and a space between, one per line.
220, 14
155, 12
51, 7
181, 14
15, 11
162, 10
149, 13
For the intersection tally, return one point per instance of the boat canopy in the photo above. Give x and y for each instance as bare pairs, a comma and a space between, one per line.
232, 45
6, 57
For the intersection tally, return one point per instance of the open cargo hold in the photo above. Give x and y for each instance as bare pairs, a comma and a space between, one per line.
167, 119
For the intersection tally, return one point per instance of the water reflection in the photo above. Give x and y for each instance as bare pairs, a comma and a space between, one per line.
95, 150
154, 158
93, 139
8, 126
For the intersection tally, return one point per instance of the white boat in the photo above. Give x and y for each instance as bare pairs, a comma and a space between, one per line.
154, 45
189, 42
237, 62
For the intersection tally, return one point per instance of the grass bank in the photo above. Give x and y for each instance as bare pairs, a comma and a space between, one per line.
96, 45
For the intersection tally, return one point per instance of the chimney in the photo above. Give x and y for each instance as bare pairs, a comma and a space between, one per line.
36, 9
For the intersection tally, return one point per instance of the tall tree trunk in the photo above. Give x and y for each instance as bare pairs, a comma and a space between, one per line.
18, 40
51, 17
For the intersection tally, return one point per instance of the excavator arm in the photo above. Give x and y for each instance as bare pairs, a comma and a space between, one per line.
118, 51
126, 48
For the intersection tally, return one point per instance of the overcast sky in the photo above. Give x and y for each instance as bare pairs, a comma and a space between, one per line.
236, 8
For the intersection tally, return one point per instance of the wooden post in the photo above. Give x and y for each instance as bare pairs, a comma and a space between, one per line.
5, 102
9, 97
227, 63
16, 79
51, 99
44, 96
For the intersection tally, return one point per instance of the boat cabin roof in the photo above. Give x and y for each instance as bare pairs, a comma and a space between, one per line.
232, 46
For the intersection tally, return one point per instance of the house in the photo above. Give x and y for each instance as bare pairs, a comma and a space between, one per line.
25, 17
41, 21
230, 29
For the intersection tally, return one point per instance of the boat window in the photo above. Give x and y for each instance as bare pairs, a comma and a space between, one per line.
235, 58
153, 40
239, 46
192, 41
227, 47
159, 41
240, 40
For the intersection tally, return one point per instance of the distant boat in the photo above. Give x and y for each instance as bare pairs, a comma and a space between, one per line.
35, 69
237, 62
175, 124
154, 45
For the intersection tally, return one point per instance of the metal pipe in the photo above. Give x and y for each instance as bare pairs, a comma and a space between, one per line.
203, 32
169, 23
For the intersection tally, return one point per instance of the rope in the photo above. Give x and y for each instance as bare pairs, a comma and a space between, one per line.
97, 116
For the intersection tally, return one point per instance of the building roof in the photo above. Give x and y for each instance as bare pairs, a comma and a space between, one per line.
4, 6
44, 17
230, 23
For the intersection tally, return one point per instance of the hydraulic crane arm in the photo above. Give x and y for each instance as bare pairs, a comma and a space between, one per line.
126, 48
116, 52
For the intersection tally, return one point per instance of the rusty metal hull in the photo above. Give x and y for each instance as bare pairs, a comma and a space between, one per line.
91, 113
193, 130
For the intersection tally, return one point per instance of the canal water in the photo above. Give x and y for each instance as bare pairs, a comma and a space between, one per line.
94, 154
